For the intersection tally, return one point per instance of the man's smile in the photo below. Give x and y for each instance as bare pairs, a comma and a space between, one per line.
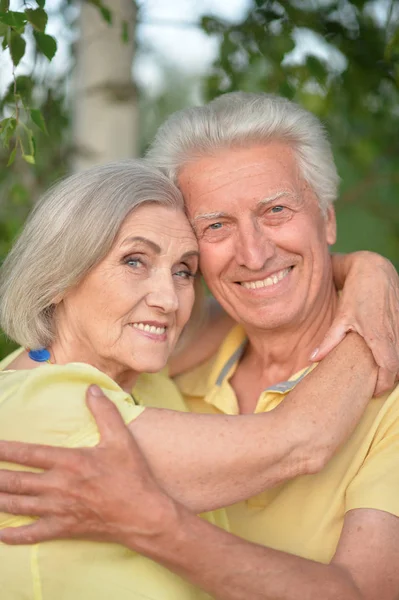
267, 281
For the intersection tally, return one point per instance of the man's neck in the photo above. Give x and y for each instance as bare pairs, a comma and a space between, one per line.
274, 356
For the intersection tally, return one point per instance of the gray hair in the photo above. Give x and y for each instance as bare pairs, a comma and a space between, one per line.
71, 229
241, 119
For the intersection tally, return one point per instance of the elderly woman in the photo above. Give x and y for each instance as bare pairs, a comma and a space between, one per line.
99, 287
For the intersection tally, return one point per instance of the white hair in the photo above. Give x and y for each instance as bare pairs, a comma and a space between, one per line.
241, 119
69, 231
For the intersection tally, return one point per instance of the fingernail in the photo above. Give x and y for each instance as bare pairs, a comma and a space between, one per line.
94, 390
314, 354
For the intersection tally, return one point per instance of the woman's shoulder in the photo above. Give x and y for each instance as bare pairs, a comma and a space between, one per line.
47, 404
69, 376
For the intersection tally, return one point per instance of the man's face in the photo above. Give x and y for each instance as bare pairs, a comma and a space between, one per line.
263, 240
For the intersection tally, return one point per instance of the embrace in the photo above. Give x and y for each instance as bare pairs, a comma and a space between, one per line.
135, 404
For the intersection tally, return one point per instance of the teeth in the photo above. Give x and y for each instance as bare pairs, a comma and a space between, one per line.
150, 328
272, 280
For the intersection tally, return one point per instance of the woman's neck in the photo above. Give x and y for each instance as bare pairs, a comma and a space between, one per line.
124, 377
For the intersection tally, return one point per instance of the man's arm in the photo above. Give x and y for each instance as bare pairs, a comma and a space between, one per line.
210, 461
363, 568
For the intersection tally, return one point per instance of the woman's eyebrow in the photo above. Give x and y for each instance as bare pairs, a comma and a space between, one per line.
139, 238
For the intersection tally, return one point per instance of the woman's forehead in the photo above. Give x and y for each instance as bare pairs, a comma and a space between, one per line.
160, 224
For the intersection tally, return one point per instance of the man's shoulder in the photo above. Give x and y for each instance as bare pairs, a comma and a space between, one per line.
158, 390
388, 410
195, 382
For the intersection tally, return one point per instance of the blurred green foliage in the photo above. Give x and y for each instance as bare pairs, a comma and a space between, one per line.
339, 59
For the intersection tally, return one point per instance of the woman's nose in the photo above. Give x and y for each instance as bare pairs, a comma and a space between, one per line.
162, 294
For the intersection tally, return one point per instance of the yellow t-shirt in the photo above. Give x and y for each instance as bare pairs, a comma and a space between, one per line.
47, 405
305, 515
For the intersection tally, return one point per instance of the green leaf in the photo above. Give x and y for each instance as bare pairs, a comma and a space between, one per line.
16, 20
12, 157
46, 44
41, 3
38, 119
107, 14
4, 5
29, 158
17, 47
3, 30
7, 130
125, 32
37, 18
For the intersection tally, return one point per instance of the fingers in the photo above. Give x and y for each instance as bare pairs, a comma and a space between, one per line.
32, 455
109, 421
39, 531
23, 505
333, 337
21, 482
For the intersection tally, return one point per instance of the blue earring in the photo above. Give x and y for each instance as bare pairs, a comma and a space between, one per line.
40, 355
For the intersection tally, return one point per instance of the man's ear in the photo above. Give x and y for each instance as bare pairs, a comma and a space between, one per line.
331, 226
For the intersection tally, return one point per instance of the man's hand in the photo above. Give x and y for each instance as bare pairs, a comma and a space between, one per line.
369, 305
80, 494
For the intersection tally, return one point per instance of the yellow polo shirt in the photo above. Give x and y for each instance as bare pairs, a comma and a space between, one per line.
305, 515
47, 405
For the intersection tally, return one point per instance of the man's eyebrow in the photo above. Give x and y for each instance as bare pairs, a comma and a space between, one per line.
207, 216
138, 238
276, 196
189, 254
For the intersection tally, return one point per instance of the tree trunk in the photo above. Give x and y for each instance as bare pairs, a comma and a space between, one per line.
105, 112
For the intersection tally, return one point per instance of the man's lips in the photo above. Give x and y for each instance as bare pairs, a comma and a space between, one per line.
267, 281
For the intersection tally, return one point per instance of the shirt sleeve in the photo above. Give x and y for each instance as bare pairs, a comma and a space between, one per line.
376, 484
47, 405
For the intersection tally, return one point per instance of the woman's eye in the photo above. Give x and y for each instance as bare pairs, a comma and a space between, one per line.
185, 274
134, 262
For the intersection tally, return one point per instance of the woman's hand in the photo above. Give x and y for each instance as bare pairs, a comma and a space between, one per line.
369, 305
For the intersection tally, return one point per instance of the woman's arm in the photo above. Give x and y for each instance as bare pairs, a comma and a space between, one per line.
369, 305
213, 331
208, 461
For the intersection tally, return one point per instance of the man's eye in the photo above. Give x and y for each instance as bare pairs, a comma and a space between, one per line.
277, 209
215, 226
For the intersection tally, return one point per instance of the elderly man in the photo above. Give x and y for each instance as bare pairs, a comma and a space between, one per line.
258, 179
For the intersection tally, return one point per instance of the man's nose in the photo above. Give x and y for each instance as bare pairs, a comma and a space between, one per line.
162, 294
253, 248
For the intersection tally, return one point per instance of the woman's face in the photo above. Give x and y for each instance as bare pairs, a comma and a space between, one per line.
129, 311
